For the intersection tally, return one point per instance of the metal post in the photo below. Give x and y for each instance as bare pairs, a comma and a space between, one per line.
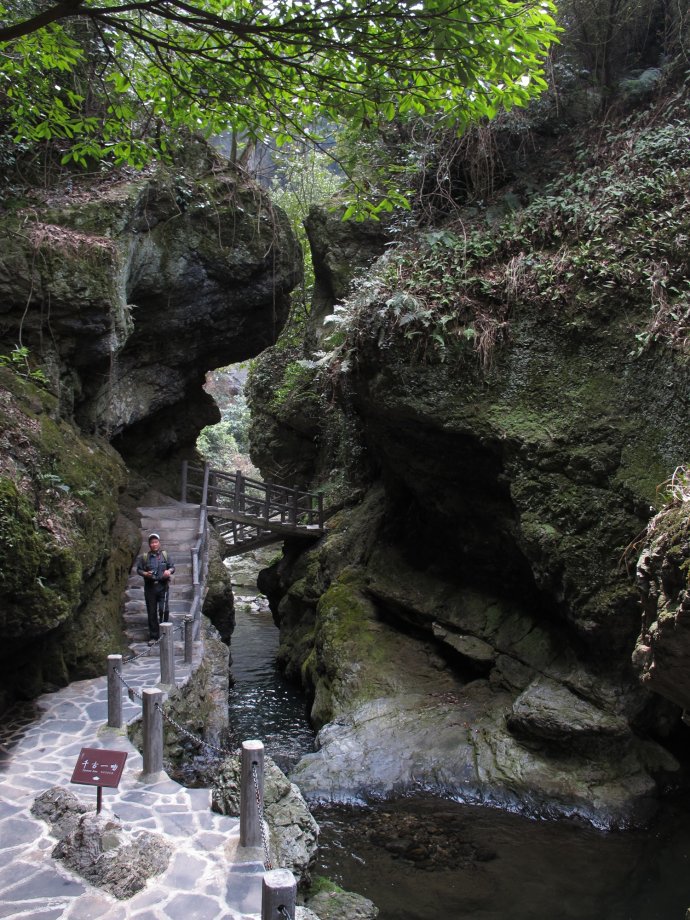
320, 500
185, 466
278, 895
114, 692
250, 797
153, 730
188, 639
167, 655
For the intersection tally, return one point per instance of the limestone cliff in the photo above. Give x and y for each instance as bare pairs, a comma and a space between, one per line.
508, 390
128, 290
117, 294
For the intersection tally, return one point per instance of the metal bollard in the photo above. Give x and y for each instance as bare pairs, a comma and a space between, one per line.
153, 730
278, 895
167, 655
114, 692
188, 639
250, 797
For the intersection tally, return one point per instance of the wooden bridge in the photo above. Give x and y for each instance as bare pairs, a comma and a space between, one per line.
248, 513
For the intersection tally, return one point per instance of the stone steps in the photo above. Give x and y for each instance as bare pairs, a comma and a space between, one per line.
177, 524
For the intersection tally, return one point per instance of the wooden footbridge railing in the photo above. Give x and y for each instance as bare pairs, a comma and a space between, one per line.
249, 513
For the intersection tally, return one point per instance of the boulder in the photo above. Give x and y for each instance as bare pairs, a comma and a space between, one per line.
60, 808
459, 746
549, 712
98, 847
293, 832
342, 905
105, 854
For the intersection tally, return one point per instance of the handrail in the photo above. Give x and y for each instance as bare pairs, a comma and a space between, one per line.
247, 513
199, 552
263, 502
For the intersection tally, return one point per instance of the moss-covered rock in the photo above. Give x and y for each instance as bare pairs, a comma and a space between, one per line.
219, 601
63, 561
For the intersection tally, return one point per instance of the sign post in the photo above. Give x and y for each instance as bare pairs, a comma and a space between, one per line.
98, 767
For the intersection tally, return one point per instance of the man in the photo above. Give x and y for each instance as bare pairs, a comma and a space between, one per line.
156, 567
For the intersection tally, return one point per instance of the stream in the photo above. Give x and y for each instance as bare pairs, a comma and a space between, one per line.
423, 858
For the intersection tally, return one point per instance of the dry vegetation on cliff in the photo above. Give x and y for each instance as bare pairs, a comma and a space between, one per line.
613, 223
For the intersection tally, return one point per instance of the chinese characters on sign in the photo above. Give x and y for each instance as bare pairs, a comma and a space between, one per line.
97, 767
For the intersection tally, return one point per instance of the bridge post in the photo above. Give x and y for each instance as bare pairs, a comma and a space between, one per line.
167, 646
153, 730
267, 501
188, 639
204, 490
239, 492
278, 894
251, 793
114, 692
185, 470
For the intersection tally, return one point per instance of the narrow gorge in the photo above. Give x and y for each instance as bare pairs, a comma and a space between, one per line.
492, 391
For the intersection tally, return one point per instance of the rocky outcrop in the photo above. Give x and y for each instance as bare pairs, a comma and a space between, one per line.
123, 291
516, 407
128, 291
219, 602
98, 848
293, 832
342, 905
662, 651
530, 727
65, 550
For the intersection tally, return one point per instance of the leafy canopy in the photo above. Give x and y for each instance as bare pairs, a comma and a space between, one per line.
113, 78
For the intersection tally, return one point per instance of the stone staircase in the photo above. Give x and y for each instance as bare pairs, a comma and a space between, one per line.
177, 523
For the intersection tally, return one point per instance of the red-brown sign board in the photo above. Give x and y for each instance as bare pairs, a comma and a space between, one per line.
97, 767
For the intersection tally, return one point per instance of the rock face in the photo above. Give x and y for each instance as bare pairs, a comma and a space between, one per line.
65, 550
494, 496
540, 732
131, 291
125, 291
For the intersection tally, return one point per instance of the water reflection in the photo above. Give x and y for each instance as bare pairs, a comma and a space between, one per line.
482, 863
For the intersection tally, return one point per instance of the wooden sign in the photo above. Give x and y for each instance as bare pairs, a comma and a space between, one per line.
98, 767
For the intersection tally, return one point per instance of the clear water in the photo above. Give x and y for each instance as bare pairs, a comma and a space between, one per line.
263, 705
490, 865
426, 858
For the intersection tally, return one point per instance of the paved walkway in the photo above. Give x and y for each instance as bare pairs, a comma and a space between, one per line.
209, 875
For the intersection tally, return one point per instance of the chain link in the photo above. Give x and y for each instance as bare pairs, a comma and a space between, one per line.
260, 807
185, 731
284, 912
147, 651
131, 690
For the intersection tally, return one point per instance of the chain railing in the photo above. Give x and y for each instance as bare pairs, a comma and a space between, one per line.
196, 738
258, 793
279, 885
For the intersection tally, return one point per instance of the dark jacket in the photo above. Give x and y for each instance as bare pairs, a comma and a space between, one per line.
156, 563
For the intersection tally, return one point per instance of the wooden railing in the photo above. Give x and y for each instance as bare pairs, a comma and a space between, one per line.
248, 511
199, 552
